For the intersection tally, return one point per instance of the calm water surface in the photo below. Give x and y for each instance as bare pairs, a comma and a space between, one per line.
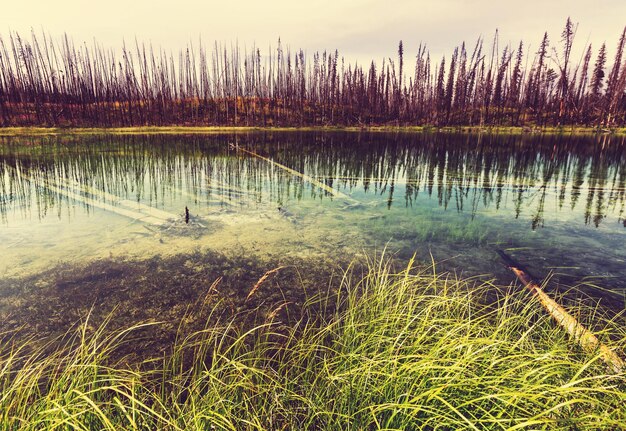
557, 204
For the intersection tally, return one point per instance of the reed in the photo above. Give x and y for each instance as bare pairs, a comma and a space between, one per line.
48, 82
399, 349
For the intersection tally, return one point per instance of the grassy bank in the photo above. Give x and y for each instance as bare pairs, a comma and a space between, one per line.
145, 130
404, 350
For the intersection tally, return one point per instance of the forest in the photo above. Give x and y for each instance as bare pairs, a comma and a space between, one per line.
49, 82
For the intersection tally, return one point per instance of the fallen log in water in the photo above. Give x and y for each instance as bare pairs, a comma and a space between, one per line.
87, 191
305, 177
154, 217
583, 336
135, 215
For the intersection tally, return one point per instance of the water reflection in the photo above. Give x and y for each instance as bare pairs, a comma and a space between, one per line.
463, 173
559, 200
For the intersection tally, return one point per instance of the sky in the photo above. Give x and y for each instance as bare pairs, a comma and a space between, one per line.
360, 30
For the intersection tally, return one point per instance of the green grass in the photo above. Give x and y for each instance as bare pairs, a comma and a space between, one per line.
402, 350
150, 130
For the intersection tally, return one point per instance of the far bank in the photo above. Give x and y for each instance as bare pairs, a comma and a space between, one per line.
147, 130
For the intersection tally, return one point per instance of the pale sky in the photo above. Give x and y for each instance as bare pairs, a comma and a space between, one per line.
361, 30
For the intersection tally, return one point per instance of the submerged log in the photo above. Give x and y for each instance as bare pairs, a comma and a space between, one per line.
144, 214
305, 177
92, 194
135, 215
583, 336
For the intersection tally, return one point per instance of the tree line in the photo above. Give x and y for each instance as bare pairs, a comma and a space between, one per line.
46, 82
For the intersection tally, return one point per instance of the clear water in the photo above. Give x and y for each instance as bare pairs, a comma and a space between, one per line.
557, 204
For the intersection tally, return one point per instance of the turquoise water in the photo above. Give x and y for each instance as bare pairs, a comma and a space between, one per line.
557, 204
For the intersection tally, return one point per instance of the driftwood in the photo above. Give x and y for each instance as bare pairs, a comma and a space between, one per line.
305, 177
146, 218
143, 213
85, 191
583, 336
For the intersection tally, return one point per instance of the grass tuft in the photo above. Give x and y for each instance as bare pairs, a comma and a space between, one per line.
401, 350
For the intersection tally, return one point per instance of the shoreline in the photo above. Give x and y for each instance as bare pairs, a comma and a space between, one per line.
385, 336
155, 130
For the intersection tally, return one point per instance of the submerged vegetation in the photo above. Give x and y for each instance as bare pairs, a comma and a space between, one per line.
395, 350
48, 83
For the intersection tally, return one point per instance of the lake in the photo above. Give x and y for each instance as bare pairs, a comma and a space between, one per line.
130, 220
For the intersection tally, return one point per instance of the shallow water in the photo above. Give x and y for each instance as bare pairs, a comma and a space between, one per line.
557, 204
